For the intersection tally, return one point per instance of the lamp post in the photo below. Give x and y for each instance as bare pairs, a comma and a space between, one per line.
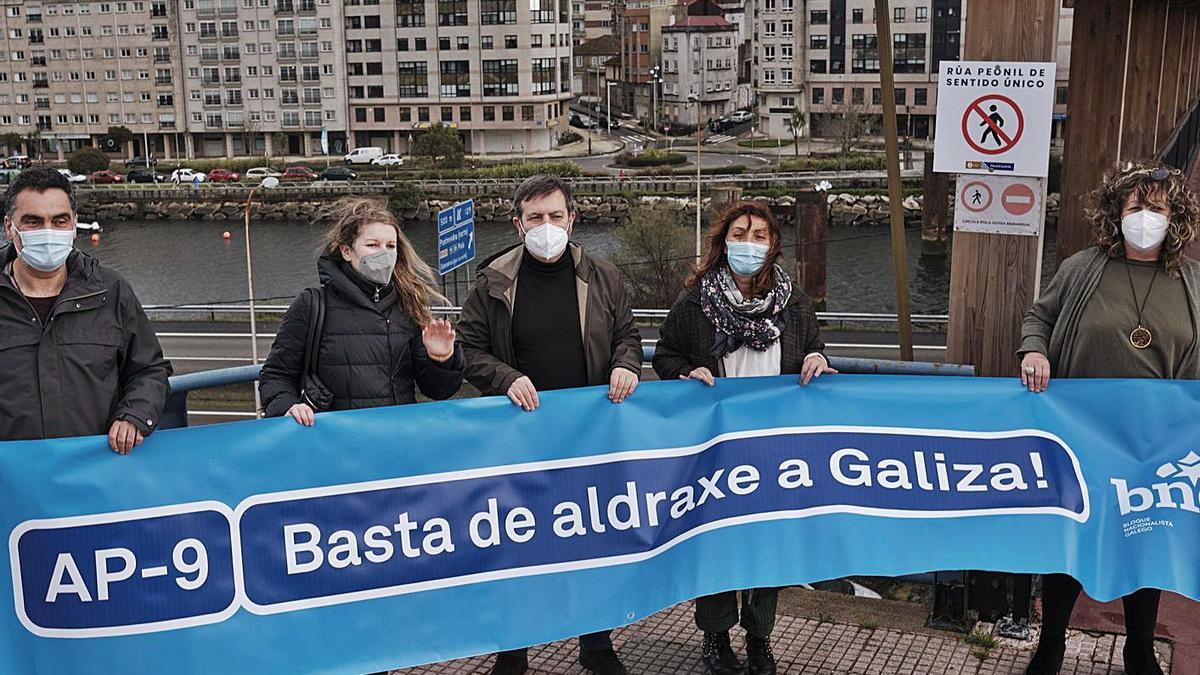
608, 117
695, 98
268, 183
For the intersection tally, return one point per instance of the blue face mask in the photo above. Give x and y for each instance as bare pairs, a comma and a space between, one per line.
46, 250
746, 258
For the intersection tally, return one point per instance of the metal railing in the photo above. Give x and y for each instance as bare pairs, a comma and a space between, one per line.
176, 412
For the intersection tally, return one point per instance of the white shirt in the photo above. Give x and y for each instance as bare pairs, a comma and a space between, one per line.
748, 362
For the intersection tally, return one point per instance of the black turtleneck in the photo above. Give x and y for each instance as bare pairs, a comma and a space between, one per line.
545, 326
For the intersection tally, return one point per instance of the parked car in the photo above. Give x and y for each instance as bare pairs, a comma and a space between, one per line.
740, 116
18, 162
258, 173
583, 121
141, 161
388, 160
144, 176
106, 177
299, 173
223, 176
363, 155
187, 176
338, 173
8, 175
73, 177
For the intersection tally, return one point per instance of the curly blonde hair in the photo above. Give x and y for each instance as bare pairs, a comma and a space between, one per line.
1153, 184
416, 283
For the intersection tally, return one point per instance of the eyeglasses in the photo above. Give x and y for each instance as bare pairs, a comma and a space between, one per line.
1158, 173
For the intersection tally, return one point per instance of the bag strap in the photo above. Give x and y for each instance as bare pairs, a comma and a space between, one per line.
316, 326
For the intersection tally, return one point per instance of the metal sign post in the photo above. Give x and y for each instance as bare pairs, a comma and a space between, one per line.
456, 242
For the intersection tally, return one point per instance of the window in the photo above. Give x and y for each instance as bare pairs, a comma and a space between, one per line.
817, 66
921, 96
506, 113
901, 96
510, 41
786, 28
543, 76
526, 113
786, 52
422, 114
485, 42
768, 52
464, 114
406, 114
498, 12
541, 11
768, 29
500, 78
413, 78
463, 42
1060, 96
379, 114
908, 51
768, 76
456, 79
838, 95
865, 53
876, 96
447, 114
898, 15
489, 113
856, 96
818, 42
410, 13
818, 17
452, 12
444, 44
922, 14
856, 16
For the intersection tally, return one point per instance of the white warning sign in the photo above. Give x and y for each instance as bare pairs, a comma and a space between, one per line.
999, 204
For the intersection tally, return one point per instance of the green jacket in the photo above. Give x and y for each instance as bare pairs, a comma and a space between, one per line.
1051, 324
610, 338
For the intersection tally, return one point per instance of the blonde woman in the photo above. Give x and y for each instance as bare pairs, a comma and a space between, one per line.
379, 340
1126, 307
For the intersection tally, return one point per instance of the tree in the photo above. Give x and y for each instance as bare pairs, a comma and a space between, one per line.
87, 161
12, 141
796, 124
850, 126
441, 143
122, 135
280, 141
33, 141
656, 253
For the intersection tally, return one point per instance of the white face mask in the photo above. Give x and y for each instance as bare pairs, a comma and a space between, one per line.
1144, 230
546, 242
45, 250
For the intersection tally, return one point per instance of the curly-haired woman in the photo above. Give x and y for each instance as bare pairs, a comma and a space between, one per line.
1127, 307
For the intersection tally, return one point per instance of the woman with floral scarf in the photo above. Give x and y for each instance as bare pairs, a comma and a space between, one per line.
739, 316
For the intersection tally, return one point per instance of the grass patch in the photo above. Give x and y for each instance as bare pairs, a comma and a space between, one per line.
853, 162
869, 625
763, 143
981, 639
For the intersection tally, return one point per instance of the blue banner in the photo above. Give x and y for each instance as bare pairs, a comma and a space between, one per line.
392, 537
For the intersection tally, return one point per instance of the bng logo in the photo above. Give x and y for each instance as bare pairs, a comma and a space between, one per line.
1176, 490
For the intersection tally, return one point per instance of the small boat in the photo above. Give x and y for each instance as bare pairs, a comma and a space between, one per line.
88, 227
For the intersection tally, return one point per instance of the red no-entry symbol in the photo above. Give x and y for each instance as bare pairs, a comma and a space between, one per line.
1017, 199
976, 196
993, 124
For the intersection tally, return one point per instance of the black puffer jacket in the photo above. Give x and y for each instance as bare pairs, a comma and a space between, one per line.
95, 361
371, 352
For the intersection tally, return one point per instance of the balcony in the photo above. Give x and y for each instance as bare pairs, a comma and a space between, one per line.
162, 59
158, 13
166, 126
37, 40
163, 81
307, 6
41, 84
41, 105
285, 6
208, 35
229, 34
44, 126
211, 80
231, 58
286, 32
38, 61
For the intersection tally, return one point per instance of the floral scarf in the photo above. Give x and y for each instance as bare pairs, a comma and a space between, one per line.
738, 321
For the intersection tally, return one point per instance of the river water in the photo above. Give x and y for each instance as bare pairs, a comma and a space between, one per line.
189, 262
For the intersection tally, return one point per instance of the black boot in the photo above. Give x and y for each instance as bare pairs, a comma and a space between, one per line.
718, 656
602, 661
759, 656
509, 663
1140, 658
1048, 658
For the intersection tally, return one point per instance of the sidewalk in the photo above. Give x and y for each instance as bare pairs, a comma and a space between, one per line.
668, 643
601, 145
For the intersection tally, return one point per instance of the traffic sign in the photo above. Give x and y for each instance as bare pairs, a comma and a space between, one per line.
456, 236
994, 118
1018, 210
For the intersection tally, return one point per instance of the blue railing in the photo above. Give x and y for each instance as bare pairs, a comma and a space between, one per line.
175, 414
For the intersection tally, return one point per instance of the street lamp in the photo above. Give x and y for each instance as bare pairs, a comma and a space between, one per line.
268, 183
608, 117
695, 98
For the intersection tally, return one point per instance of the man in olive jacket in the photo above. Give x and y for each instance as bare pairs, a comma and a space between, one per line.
77, 353
543, 316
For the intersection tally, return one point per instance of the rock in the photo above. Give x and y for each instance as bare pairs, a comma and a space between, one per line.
859, 210
847, 198
830, 199
868, 199
786, 201
911, 204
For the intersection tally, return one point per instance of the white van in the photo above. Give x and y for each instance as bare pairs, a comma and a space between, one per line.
363, 155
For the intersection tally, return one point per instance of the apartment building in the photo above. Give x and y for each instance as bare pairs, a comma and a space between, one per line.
71, 70
590, 19
261, 71
497, 70
699, 61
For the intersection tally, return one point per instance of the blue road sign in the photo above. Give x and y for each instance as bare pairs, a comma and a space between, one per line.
456, 236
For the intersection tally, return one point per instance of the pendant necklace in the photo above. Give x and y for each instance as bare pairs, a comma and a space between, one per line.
1140, 337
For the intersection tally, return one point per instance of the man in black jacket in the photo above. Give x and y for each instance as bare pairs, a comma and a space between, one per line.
78, 354
546, 316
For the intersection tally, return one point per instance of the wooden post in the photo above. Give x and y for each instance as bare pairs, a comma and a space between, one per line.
935, 211
812, 231
992, 277
887, 82
1173, 63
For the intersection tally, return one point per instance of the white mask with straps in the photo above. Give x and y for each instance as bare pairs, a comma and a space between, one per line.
1144, 230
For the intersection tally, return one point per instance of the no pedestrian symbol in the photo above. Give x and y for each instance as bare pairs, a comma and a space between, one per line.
993, 124
976, 196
